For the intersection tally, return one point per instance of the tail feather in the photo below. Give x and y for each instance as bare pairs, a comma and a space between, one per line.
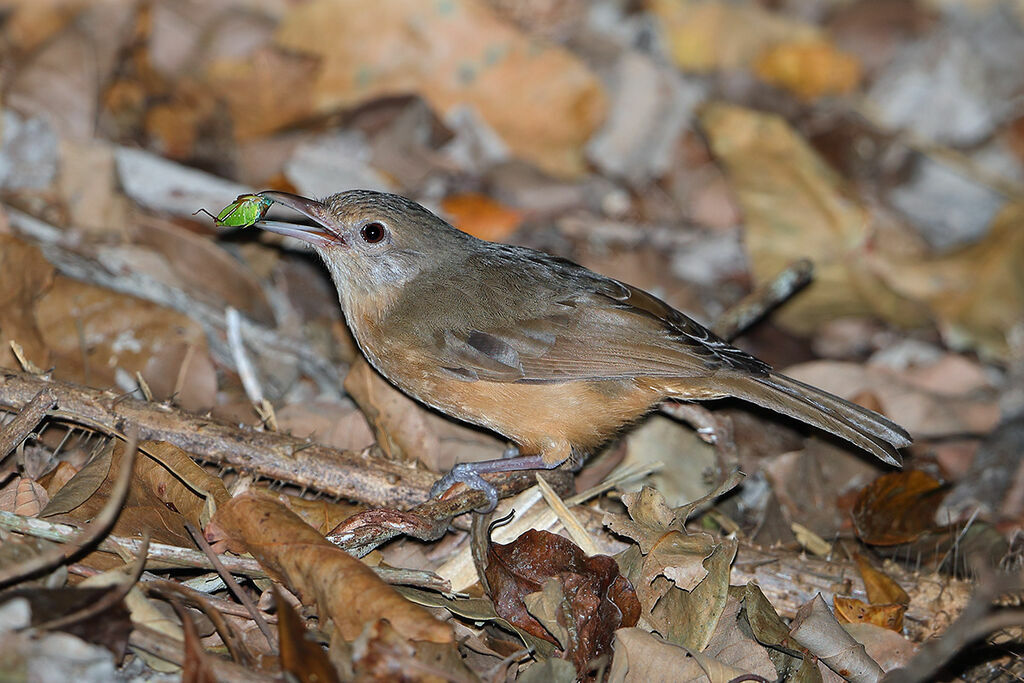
858, 425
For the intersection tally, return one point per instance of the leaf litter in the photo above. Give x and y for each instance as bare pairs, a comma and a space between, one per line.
696, 148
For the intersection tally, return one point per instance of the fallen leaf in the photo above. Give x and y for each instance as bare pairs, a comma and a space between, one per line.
854, 611
98, 336
881, 589
25, 277
268, 90
897, 508
300, 656
809, 68
710, 35
586, 596
481, 216
795, 206
643, 656
976, 292
345, 590
453, 54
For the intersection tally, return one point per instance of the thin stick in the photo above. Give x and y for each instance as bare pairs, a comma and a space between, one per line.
355, 475
19, 429
232, 585
755, 305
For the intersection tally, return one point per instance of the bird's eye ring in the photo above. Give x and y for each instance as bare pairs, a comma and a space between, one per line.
372, 232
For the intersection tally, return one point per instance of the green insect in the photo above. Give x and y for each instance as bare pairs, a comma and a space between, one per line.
245, 211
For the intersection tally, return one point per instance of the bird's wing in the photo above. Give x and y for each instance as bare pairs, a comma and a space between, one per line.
605, 330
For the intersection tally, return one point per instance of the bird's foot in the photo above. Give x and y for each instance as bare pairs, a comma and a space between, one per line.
468, 473
465, 473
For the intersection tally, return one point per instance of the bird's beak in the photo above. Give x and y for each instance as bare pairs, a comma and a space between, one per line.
325, 233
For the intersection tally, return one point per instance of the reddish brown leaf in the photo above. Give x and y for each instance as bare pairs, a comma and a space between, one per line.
598, 598
897, 508
346, 590
301, 657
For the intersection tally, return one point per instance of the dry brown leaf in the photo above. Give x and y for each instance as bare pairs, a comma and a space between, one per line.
481, 216
25, 276
854, 611
796, 206
881, 589
205, 269
304, 659
897, 508
331, 423
546, 585
708, 35
98, 336
643, 656
345, 589
451, 53
267, 90
83, 484
809, 68
977, 292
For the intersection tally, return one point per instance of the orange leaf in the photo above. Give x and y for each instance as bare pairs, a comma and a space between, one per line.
853, 611
809, 69
881, 589
481, 216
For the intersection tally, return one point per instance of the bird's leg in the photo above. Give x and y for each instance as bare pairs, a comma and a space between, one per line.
468, 473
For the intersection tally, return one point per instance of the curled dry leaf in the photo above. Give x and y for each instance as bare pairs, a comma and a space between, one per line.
595, 599
897, 508
854, 611
706, 36
300, 656
345, 589
881, 589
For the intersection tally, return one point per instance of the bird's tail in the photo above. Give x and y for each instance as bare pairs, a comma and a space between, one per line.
858, 425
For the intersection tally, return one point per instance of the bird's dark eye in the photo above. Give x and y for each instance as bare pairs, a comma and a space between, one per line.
372, 232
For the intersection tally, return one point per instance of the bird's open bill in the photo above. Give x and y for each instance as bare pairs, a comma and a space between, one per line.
321, 234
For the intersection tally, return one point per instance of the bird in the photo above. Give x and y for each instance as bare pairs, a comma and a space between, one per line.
552, 356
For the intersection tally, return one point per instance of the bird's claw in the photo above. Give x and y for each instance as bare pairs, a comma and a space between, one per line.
463, 473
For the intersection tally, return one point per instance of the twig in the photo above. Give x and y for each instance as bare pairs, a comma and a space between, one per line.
90, 533
172, 650
755, 305
356, 475
187, 558
566, 517
19, 429
235, 644
232, 585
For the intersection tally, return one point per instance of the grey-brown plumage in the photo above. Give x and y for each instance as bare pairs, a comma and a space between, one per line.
551, 355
